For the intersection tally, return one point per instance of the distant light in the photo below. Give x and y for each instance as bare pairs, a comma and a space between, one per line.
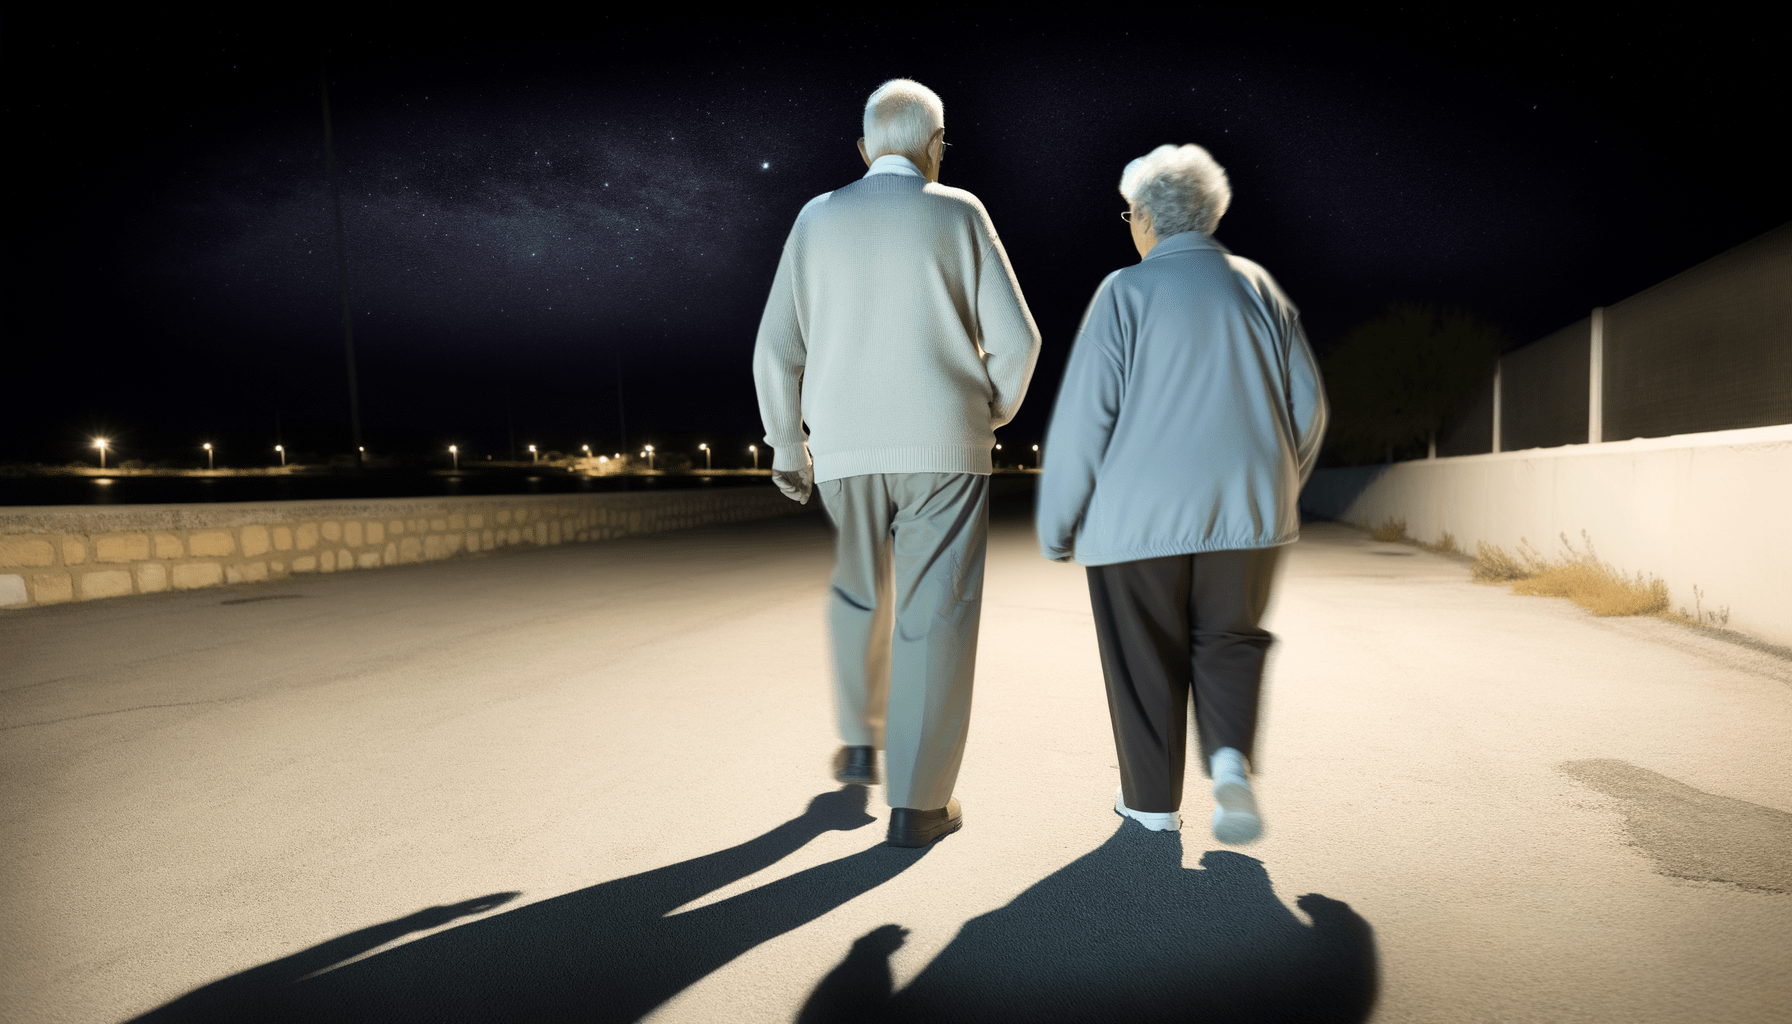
100, 443
765, 166
207, 447
279, 447
531, 447
453, 450
650, 447
1035, 447
998, 447
752, 447
703, 447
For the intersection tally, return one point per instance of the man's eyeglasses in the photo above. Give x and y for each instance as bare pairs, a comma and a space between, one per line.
1126, 215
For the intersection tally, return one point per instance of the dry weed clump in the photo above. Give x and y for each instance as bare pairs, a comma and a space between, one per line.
1493, 565
1581, 577
1711, 618
1391, 530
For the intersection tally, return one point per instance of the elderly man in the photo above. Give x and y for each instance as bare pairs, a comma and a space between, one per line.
1190, 415
896, 330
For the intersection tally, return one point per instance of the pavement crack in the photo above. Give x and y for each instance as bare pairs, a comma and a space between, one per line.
120, 711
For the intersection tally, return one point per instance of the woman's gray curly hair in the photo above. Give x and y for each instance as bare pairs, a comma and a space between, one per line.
1180, 186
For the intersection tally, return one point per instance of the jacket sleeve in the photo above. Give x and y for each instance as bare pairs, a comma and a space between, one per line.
1082, 423
1306, 401
1008, 335
779, 356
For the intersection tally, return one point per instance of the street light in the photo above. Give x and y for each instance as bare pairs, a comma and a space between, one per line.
282, 450
454, 450
587, 450
1036, 456
998, 461
208, 456
706, 460
360, 454
533, 457
100, 443
755, 450
649, 454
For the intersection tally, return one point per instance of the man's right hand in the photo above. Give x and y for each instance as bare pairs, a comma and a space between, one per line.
795, 483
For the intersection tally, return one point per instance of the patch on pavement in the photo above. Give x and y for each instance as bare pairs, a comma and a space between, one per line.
1690, 833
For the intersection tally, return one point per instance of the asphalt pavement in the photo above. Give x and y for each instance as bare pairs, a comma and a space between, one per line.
591, 783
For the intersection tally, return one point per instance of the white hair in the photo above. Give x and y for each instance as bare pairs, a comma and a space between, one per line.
900, 117
1180, 186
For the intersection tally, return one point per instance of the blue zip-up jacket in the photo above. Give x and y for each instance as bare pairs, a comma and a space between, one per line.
1189, 416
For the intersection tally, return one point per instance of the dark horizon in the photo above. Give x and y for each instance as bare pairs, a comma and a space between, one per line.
535, 211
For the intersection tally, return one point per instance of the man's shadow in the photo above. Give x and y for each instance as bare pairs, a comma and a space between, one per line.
606, 953
1125, 933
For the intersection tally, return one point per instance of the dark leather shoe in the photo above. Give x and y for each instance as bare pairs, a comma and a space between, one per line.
911, 828
856, 766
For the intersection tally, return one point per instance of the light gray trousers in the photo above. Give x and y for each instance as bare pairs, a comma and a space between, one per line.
903, 614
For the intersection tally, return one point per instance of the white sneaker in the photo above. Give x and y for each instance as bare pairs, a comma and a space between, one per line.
1157, 821
1235, 820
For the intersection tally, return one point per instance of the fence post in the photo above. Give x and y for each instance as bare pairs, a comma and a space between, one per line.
1596, 378
1496, 403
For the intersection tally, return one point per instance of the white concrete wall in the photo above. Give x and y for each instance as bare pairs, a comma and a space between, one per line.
1708, 510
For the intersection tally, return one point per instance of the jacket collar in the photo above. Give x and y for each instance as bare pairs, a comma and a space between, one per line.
1187, 241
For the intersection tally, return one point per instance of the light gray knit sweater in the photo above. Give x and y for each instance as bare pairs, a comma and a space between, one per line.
896, 330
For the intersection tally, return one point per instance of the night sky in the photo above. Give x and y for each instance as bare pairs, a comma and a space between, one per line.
532, 208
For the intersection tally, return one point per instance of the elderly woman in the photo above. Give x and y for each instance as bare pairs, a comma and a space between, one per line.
1189, 417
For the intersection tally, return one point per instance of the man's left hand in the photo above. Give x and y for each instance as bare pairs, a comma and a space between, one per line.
795, 483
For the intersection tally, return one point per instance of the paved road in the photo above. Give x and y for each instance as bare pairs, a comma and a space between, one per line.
589, 783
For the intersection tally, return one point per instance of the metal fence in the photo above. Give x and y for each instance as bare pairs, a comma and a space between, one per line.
1470, 430
1707, 349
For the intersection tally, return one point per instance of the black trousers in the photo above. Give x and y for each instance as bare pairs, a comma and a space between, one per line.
1169, 625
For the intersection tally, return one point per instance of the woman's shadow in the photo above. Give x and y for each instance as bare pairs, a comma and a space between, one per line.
606, 953
1125, 933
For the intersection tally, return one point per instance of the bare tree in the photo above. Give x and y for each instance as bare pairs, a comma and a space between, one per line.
1394, 381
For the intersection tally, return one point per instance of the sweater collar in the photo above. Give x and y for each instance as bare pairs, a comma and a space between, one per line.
892, 163
1186, 241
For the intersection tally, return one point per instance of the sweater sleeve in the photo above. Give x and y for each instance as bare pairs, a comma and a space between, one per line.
779, 356
1082, 423
1009, 338
1306, 400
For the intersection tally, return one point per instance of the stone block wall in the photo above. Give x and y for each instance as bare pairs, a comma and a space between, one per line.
82, 553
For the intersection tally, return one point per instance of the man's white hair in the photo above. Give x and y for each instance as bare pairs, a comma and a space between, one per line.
1180, 186
901, 116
